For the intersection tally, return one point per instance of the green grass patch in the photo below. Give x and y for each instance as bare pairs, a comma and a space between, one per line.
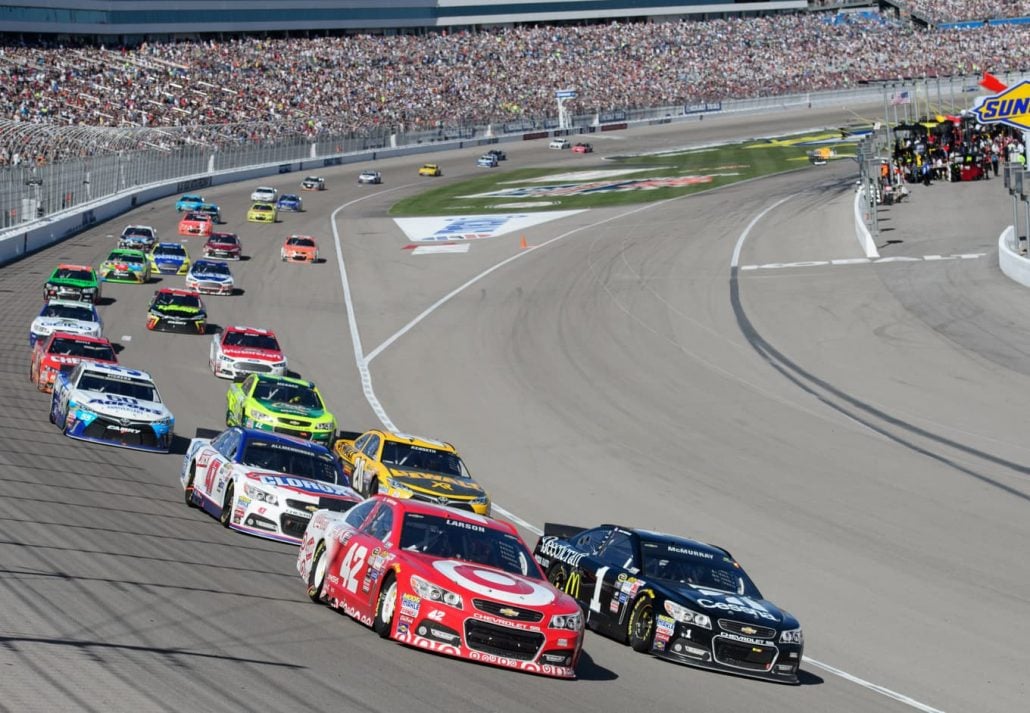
647, 178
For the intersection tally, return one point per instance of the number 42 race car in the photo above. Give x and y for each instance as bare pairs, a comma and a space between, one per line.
452, 582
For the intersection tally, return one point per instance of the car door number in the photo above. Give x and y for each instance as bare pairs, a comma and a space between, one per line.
351, 564
358, 474
595, 600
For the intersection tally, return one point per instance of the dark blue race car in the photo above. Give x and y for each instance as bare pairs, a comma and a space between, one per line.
675, 598
290, 202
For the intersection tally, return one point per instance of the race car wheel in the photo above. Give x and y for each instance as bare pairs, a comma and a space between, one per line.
316, 577
373, 487
228, 418
226, 515
640, 628
385, 607
189, 485
557, 576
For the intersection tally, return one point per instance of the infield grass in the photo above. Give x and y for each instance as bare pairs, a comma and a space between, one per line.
618, 180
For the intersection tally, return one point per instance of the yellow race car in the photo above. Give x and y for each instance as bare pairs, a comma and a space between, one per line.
262, 213
409, 467
430, 169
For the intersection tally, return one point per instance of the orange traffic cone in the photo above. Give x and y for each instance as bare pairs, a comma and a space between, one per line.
523, 245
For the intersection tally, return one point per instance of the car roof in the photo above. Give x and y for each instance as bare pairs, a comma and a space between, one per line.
116, 370
72, 266
127, 251
248, 330
675, 540
417, 440
204, 262
221, 234
177, 291
138, 227
79, 337
68, 303
424, 508
252, 434
284, 379
170, 245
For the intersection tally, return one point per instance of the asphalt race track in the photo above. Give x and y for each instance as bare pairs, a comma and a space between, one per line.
854, 433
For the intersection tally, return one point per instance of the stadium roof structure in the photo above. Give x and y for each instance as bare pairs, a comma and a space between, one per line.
126, 19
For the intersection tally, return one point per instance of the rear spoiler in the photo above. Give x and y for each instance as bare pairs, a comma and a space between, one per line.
563, 532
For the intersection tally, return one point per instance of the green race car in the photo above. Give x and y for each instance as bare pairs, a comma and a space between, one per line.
73, 282
281, 404
126, 265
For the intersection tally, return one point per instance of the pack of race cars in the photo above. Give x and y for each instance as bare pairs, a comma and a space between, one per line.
392, 528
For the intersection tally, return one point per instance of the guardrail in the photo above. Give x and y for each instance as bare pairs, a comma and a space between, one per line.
1011, 259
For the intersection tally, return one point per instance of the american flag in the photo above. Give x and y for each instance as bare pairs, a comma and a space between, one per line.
901, 98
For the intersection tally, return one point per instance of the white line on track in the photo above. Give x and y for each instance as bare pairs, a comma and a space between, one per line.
362, 360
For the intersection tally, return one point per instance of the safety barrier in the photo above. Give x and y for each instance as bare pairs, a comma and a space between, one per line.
1011, 259
865, 238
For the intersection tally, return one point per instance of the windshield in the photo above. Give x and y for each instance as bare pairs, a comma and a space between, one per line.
164, 299
458, 539
210, 268
122, 386
137, 232
122, 257
66, 273
285, 392
301, 242
261, 207
69, 312
170, 250
289, 197
405, 455
87, 350
281, 458
227, 238
254, 341
685, 563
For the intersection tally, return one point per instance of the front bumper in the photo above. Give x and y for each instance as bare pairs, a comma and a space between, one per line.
299, 257
170, 268
129, 276
194, 230
232, 369
136, 435
222, 254
488, 638
297, 430
185, 326
210, 288
724, 651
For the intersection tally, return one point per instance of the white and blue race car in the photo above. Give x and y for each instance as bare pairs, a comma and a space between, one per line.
210, 277
107, 403
65, 316
263, 483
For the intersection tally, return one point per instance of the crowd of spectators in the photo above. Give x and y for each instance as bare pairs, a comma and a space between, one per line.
250, 88
966, 10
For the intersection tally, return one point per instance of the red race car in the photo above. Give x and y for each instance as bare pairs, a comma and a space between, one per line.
61, 351
452, 582
224, 246
299, 248
194, 223
582, 148
237, 351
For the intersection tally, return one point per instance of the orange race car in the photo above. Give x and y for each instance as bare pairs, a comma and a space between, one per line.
194, 223
299, 248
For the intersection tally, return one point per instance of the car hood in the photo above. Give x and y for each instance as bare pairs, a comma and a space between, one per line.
292, 409
289, 485
177, 259
122, 406
436, 483
252, 353
480, 580
733, 606
46, 325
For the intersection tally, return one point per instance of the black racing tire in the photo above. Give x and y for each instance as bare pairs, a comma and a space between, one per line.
386, 606
316, 577
189, 485
228, 417
558, 576
373, 487
640, 627
226, 515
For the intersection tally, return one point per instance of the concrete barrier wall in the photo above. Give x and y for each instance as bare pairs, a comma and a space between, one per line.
1010, 260
865, 238
30, 237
